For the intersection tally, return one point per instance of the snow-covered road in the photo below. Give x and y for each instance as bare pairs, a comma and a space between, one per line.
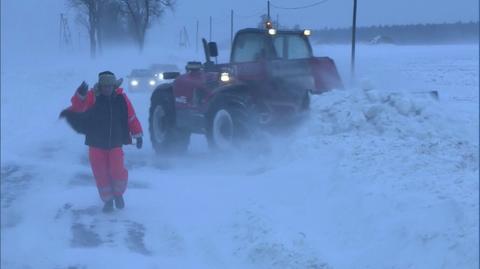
378, 177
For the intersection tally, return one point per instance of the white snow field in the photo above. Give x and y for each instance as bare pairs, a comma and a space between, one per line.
380, 176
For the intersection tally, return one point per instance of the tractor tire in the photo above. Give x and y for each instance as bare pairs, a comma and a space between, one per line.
166, 138
306, 102
229, 122
305, 107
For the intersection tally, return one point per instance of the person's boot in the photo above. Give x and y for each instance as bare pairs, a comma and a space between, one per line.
108, 206
119, 202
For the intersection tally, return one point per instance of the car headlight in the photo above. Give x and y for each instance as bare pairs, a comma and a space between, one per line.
152, 82
134, 83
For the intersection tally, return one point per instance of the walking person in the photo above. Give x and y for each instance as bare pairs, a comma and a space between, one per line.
106, 117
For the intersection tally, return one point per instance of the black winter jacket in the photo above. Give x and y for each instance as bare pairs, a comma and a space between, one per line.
105, 124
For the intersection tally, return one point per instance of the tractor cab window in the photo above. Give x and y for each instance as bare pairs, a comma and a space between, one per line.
291, 46
250, 47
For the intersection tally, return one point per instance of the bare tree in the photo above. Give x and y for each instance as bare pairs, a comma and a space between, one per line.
88, 15
142, 13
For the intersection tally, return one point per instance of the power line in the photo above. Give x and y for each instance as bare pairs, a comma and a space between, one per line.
300, 7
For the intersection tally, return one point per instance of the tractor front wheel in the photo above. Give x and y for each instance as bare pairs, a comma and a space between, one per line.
229, 122
166, 138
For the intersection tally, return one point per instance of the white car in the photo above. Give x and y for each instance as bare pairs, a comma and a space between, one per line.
141, 80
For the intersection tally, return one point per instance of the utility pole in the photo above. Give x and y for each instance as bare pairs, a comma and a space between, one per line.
268, 10
196, 40
231, 28
180, 39
277, 24
184, 40
210, 39
354, 26
60, 31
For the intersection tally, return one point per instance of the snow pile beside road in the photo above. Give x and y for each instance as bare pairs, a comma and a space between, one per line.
374, 112
382, 115
370, 170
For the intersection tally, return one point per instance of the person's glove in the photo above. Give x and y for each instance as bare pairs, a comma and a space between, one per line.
139, 142
82, 89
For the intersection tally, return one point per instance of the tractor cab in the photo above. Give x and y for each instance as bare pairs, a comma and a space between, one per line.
252, 45
284, 58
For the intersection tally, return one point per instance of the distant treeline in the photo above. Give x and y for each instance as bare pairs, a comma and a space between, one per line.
445, 33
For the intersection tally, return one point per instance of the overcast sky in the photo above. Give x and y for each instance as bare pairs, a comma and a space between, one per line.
335, 13
35, 22
332, 13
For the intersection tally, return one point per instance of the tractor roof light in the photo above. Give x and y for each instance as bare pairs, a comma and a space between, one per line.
307, 32
272, 31
268, 25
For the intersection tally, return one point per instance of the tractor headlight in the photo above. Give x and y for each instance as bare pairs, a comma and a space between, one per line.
272, 31
152, 82
160, 76
134, 82
225, 77
307, 32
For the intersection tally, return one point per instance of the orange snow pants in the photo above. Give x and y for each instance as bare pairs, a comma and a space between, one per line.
110, 174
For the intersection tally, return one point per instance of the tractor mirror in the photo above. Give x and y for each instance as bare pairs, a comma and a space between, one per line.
170, 75
212, 49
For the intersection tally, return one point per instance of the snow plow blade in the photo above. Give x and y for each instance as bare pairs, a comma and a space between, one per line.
325, 74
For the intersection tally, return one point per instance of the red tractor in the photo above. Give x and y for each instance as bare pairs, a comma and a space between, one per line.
267, 83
